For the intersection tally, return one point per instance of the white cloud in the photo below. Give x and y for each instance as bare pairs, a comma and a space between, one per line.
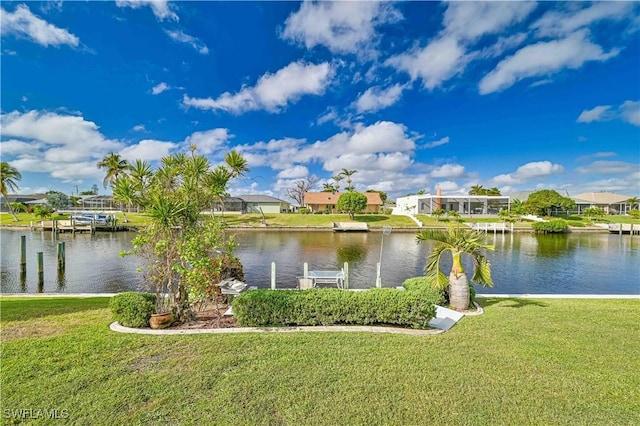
448, 171
194, 42
273, 92
23, 23
436, 63
596, 155
342, 27
139, 128
64, 146
608, 168
630, 111
375, 98
471, 20
159, 88
382, 136
529, 171
210, 140
147, 149
543, 58
596, 114
295, 172
439, 142
161, 8
449, 187
567, 21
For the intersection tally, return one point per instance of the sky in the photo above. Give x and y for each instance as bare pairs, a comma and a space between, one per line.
412, 95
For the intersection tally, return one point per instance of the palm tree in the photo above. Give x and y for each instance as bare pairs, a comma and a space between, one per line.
115, 166
327, 187
477, 190
236, 163
633, 201
125, 191
141, 173
337, 178
348, 173
458, 242
8, 177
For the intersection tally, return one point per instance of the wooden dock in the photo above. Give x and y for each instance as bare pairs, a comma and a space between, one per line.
624, 228
73, 226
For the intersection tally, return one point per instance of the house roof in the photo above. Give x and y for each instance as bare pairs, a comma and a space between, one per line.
329, 198
601, 198
260, 198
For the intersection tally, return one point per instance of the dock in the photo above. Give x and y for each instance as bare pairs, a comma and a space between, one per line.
493, 226
624, 228
350, 227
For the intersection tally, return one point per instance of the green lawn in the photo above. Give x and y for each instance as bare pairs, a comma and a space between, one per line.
525, 361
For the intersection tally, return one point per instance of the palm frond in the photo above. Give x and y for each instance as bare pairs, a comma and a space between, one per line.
482, 271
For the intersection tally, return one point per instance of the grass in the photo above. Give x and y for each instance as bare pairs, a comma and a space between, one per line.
525, 361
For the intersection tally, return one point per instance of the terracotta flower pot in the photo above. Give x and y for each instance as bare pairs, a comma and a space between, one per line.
159, 321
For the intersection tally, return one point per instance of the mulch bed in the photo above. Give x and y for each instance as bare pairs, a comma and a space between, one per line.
210, 317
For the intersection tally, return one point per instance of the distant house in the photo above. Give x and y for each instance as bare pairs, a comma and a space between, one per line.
252, 204
18, 198
609, 202
326, 201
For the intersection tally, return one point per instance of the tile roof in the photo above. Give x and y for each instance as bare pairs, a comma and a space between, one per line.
601, 197
373, 198
260, 198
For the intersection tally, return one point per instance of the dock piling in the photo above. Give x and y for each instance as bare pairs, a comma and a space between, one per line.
40, 269
273, 275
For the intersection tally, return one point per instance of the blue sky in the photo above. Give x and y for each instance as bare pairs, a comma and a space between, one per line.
517, 95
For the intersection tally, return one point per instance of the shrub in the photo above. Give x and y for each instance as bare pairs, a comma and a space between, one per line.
327, 306
303, 210
133, 309
420, 284
635, 213
552, 227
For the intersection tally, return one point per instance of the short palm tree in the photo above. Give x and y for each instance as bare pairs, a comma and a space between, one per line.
8, 177
458, 242
125, 191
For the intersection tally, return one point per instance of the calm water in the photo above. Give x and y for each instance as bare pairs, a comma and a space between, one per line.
522, 263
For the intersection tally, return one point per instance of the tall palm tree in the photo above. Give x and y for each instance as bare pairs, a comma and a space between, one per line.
115, 166
458, 242
337, 178
633, 201
8, 177
347, 174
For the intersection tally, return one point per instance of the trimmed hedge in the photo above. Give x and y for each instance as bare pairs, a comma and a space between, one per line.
440, 297
329, 306
557, 226
133, 309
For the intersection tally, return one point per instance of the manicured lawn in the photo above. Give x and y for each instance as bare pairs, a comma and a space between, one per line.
374, 220
561, 361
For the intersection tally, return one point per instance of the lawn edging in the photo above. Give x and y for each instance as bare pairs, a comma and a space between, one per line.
115, 326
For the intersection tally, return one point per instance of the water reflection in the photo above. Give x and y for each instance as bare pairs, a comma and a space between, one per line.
521, 263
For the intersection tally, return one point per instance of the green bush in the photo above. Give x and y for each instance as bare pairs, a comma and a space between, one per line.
557, 226
635, 213
133, 309
303, 210
330, 306
421, 285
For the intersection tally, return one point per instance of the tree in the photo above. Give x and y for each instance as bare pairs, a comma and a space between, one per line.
593, 212
115, 166
140, 173
458, 242
337, 178
57, 200
542, 202
95, 189
328, 187
347, 174
633, 201
352, 203
42, 211
437, 213
477, 190
180, 244
9, 175
300, 187
125, 191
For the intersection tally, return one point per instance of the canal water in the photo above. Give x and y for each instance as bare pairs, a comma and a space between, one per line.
522, 263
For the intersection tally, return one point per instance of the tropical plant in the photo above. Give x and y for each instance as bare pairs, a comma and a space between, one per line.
179, 244
42, 211
352, 203
140, 173
633, 201
477, 190
557, 226
18, 207
438, 213
125, 191
337, 178
347, 174
458, 242
9, 175
454, 215
593, 212
115, 166
329, 187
